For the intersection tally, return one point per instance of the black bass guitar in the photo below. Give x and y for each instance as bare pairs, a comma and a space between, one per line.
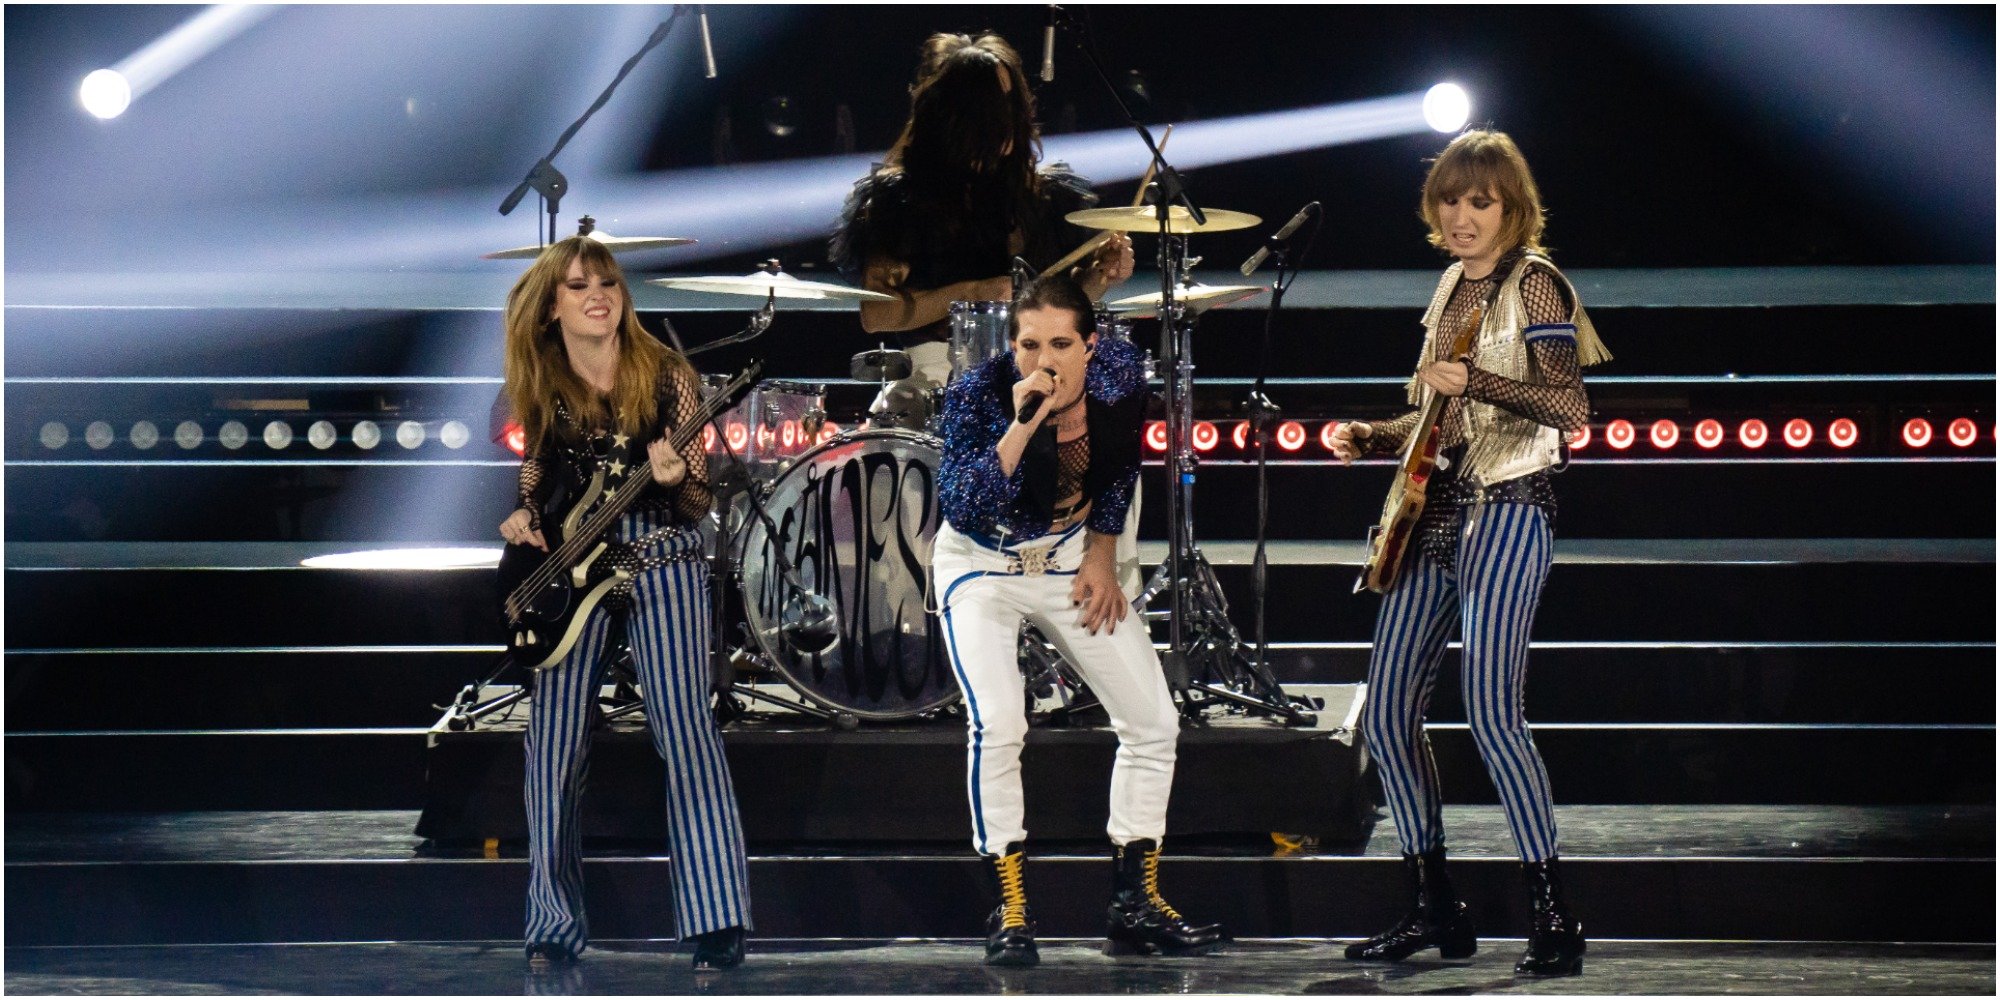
549, 595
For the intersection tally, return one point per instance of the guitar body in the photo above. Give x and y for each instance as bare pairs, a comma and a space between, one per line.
548, 596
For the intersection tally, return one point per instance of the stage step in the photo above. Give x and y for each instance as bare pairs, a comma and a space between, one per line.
1759, 873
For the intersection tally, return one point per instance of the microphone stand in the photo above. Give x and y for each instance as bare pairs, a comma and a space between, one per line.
543, 178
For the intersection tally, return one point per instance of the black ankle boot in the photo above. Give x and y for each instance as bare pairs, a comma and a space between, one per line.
1555, 939
1436, 918
1010, 933
718, 950
1139, 921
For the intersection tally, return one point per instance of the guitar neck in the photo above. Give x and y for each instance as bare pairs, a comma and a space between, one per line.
622, 498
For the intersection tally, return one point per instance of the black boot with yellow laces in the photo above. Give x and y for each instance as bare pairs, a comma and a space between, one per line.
1139, 921
1010, 934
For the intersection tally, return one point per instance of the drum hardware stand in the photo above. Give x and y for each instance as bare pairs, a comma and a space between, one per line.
547, 182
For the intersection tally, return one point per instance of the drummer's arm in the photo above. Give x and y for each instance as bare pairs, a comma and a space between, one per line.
914, 308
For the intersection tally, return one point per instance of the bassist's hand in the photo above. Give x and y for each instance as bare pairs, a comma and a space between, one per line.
515, 529
668, 466
1348, 438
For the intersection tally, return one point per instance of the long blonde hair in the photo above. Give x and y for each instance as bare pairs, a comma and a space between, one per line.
538, 369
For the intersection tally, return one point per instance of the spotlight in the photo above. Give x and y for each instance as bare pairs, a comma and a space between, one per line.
106, 93
1753, 433
1798, 433
1156, 435
54, 435
1843, 433
1326, 432
233, 435
781, 116
827, 432
788, 435
409, 434
1447, 107
434, 558
454, 434
1205, 436
99, 435
1240, 437
1619, 434
765, 436
366, 435
1291, 435
517, 439
738, 435
1665, 434
708, 438
1917, 432
321, 434
188, 435
1580, 439
1962, 432
277, 435
145, 435
1708, 433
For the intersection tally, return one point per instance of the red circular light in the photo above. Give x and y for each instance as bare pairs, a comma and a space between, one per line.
765, 436
1241, 435
1843, 433
827, 432
1917, 432
1156, 436
1708, 433
1580, 438
708, 437
788, 433
1326, 432
1798, 433
1752, 433
1619, 434
738, 435
1206, 436
1291, 435
1665, 434
516, 437
1962, 432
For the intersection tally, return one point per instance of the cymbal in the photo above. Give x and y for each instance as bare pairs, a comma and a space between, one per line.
763, 283
615, 244
1146, 219
1197, 297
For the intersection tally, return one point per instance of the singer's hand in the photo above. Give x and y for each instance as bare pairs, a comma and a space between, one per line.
1348, 438
1097, 595
1040, 382
1111, 264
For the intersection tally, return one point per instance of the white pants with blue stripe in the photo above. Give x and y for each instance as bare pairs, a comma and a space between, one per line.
983, 596
1503, 559
667, 629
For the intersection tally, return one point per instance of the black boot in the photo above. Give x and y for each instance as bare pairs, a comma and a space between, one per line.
1010, 934
1139, 921
719, 949
1555, 939
1437, 918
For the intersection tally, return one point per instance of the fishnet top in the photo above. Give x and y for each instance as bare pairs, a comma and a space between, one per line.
572, 455
1072, 461
1560, 403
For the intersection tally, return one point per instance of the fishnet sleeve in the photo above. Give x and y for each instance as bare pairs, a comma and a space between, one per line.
1559, 401
1390, 435
534, 483
692, 498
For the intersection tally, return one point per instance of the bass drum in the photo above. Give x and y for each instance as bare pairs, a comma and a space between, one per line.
855, 517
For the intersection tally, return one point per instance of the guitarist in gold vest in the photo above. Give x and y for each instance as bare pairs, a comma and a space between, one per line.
599, 398
1466, 536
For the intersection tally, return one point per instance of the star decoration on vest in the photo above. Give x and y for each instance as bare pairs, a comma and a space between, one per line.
616, 468
618, 440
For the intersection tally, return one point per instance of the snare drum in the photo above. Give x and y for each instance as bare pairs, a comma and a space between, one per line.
978, 332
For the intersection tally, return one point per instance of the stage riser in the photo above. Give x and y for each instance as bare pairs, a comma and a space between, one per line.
432, 900
1330, 342
1859, 602
433, 505
55, 692
173, 772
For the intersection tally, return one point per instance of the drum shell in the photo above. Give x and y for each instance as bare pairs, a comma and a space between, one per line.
775, 423
979, 330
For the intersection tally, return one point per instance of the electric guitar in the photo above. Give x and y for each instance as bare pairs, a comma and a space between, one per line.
550, 595
1389, 541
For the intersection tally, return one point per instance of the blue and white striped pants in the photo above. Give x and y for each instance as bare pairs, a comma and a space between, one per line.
1503, 559
668, 631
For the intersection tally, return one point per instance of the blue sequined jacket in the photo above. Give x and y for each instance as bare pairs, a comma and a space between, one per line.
979, 405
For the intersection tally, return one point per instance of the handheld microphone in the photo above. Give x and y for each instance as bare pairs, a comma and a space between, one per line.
1049, 47
1257, 259
1034, 403
707, 44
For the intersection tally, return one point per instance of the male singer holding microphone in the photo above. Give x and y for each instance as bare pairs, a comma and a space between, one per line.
1041, 452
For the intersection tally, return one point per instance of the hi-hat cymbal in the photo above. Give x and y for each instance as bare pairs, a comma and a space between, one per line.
1146, 219
615, 244
763, 283
1197, 297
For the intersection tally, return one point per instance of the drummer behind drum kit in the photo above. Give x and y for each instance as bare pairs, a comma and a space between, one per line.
823, 533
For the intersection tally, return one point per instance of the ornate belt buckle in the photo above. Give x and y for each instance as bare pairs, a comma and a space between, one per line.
1030, 562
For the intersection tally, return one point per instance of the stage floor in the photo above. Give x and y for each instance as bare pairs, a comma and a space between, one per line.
947, 967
